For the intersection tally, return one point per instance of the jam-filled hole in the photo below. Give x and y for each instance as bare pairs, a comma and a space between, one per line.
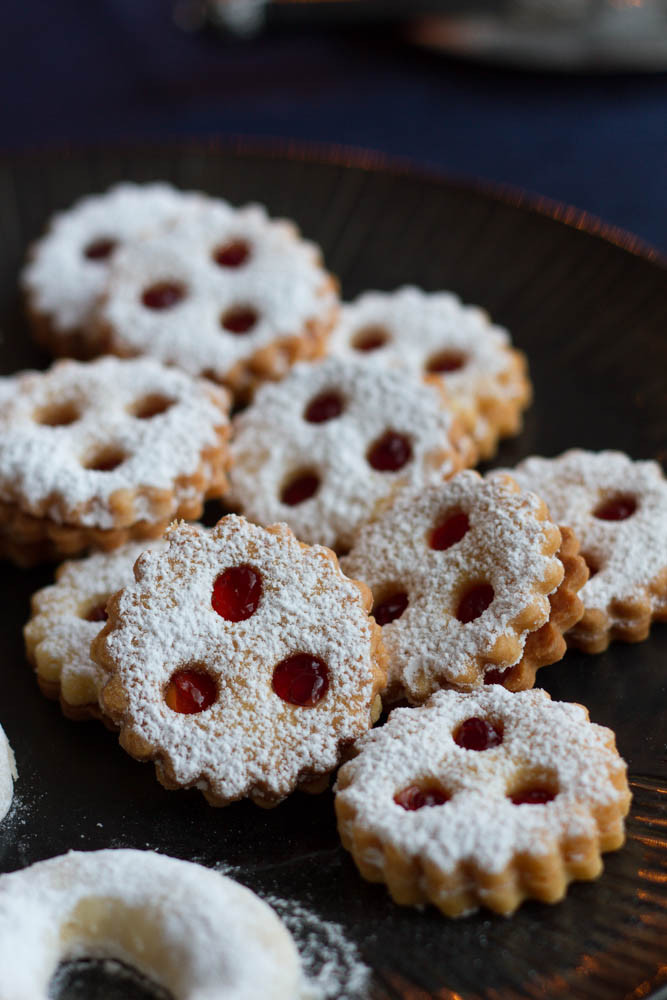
300, 488
476, 733
534, 791
496, 675
239, 319
58, 415
190, 690
104, 460
98, 612
301, 679
416, 797
100, 249
474, 602
163, 295
390, 452
326, 406
237, 593
449, 531
390, 607
151, 406
233, 253
370, 338
445, 362
618, 508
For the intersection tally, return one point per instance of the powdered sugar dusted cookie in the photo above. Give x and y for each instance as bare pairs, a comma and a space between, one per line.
461, 574
325, 447
226, 292
435, 334
68, 267
483, 799
66, 617
187, 928
7, 774
241, 661
99, 453
618, 509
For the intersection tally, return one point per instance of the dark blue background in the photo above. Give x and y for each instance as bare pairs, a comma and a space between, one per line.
106, 70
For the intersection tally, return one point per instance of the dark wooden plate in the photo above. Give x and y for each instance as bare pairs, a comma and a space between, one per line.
589, 309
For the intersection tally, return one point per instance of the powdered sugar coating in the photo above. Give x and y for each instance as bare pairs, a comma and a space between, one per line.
489, 389
630, 555
7, 774
58, 635
282, 280
193, 931
508, 544
274, 442
42, 467
542, 741
61, 280
250, 741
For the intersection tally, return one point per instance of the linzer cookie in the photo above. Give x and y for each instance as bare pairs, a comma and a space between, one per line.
7, 774
324, 448
618, 510
483, 799
159, 915
101, 453
435, 334
66, 617
228, 293
241, 661
68, 267
468, 585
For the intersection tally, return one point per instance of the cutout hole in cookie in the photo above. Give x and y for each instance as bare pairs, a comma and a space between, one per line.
233, 253
618, 508
100, 249
534, 790
300, 487
416, 797
97, 612
326, 406
57, 415
593, 564
151, 406
163, 295
104, 460
445, 362
390, 605
479, 734
301, 679
237, 593
79, 978
449, 531
474, 601
390, 452
191, 690
497, 676
239, 319
370, 338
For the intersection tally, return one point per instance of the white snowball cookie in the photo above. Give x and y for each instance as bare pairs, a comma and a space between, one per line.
7, 774
196, 933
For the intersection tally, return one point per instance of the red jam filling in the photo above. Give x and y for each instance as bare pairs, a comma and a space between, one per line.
370, 339
477, 734
300, 489
616, 509
232, 254
163, 295
414, 797
326, 406
100, 249
391, 608
98, 613
390, 452
496, 675
237, 592
301, 679
536, 796
446, 361
449, 532
474, 602
240, 319
190, 691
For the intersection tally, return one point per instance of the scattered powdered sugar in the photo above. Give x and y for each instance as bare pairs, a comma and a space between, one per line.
58, 635
249, 740
274, 443
542, 742
8, 774
628, 554
281, 280
60, 279
43, 466
506, 545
